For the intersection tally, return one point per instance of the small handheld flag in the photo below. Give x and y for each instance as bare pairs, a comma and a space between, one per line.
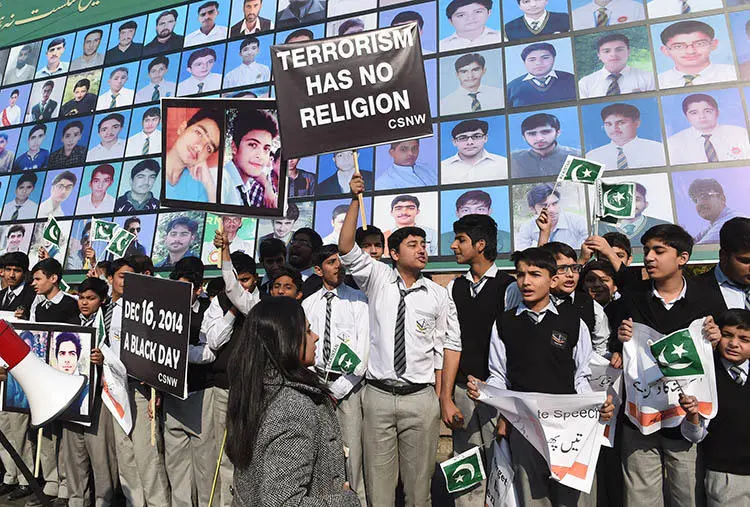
103, 230
345, 360
617, 200
677, 355
463, 471
120, 242
580, 170
52, 231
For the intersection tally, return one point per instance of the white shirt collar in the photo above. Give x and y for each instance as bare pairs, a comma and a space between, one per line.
549, 308
18, 289
681, 296
490, 273
529, 76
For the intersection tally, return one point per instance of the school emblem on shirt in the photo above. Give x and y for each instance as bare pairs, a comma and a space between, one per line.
343, 336
735, 150
559, 339
422, 326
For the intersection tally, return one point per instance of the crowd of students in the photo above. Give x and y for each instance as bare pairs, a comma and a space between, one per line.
422, 349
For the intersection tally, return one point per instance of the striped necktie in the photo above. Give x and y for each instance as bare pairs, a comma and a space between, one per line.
108, 317
475, 105
9, 298
689, 78
200, 87
737, 372
113, 102
685, 8
708, 147
601, 17
327, 333
146, 147
614, 85
155, 95
536, 318
622, 161
399, 345
14, 216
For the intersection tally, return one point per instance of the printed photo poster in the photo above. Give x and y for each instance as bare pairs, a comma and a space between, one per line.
493, 201
200, 70
406, 164
15, 238
23, 196
477, 73
329, 218
140, 185
453, 25
430, 74
80, 94
44, 101
419, 209
71, 142
70, 353
706, 199
37, 140
22, 63
178, 235
335, 168
118, 86
240, 232
166, 24
55, 251
296, 216
537, 60
265, 16
566, 206
585, 13
80, 241
424, 14
60, 193
157, 78
355, 24
473, 150
91, 44
534, 19
13, 102
248, 61
198, 23
98, 189
715, 113
14, 399
302, 176
3, 60
307, 33
4, 181
653, 205
140, 226
9, 142
126, 40
740, 26
56, 54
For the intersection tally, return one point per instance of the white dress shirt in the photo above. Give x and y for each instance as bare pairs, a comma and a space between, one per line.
240, 298
638, 153
124, 98
211, 83
426, 328
581, 354
729, 141
38, 299
488, 36
618, 11
115, 328
86, 207
99, 152
734, 296
661, 8
198, 37
488, 167
489, 97
244, 75
48, 208
135, 143
13, 113
632, 80
714, 73
350, 324
166, 89
27, 210
401, 176
45, 72
570, 229
200, 353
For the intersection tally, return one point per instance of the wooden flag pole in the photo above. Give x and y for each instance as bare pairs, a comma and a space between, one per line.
38, 458
362, 214
153, 417
220, 228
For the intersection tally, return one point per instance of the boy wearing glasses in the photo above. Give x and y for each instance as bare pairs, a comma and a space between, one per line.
62, 186
689, 45
471, 161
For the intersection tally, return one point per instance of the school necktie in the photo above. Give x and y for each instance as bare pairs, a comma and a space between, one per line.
155, 94
5, 120
534, 26
113, 102
475, 105
737, 372
689, 78
9, 298
327, 333
685, 8
475, 287
614, 84
200, 87
628, 229
146, 146
535, 317
108, 316
601, 17
243, 196
46, 303
708, 147
622, 161
14, 216
399, 346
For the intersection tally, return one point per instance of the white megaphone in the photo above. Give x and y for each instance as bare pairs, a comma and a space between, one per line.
48, 390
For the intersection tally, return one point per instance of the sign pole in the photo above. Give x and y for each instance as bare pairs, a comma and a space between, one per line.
38, 458
152, 401
220, 228
362, 214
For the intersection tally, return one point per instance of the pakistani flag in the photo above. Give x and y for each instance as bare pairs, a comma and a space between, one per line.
677, 354
101, 329
52, 231
345, 360
463, 471
64, 286
103, 231
617, 200
120, 242
580, 170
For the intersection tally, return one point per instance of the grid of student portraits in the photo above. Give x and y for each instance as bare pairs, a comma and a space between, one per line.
657, 91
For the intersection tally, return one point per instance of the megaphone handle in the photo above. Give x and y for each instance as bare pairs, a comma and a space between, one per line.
33, 483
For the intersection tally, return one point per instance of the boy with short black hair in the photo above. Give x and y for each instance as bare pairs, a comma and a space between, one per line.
338, 314
287, 281
371, 240
725, 447
539, 347
51, 303
666, 302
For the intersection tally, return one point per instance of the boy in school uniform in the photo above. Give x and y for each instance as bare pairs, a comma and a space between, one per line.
410, 325
189, 436
478, 299
90, 450
338, 314
140, 465
666, 302
525, 357
726, 448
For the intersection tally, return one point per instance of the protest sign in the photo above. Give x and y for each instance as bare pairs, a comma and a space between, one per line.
653, 398
500, 489
352, 91
115, 389
155, 332
564, 428
608, 379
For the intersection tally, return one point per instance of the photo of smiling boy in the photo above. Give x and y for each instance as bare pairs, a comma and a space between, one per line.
404, 210
110, 145
246, 177
469, 20
541, 83
536, 20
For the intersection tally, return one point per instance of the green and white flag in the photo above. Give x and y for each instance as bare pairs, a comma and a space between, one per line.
101, 329
580, 170
64, 286
103, 231
463, 471
120, 242
617, 200
677, 354
345, 360
52, 231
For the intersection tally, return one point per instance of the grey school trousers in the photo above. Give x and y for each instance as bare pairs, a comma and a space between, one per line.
400, 436
223, 495
349, 415
15, 427
724, 489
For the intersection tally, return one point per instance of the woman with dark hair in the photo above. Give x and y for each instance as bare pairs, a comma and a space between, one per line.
282, 434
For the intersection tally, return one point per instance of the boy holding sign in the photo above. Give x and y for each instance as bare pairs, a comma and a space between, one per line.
338, 315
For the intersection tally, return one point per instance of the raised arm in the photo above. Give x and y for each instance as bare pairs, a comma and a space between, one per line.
349, 229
